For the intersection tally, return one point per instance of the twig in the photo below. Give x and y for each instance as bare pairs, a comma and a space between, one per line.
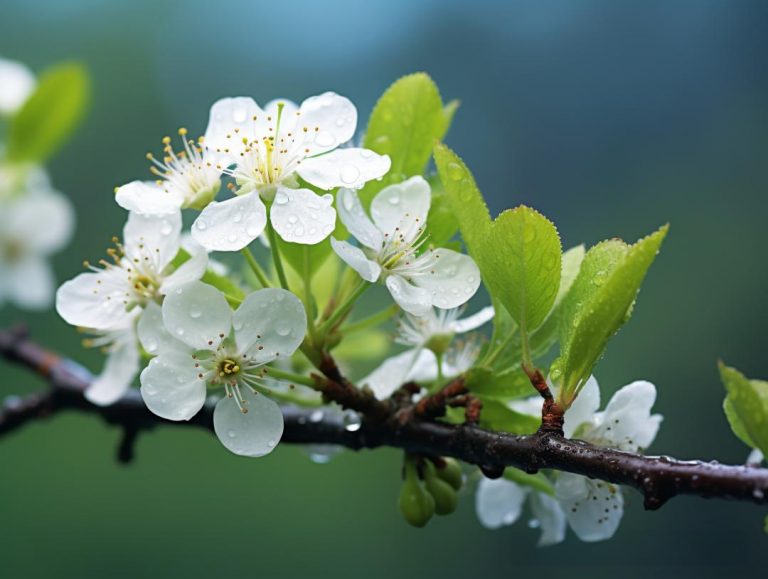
658, 478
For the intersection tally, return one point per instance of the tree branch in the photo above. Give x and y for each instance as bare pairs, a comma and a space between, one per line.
657, 478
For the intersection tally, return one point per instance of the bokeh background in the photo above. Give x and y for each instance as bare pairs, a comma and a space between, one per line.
611, 117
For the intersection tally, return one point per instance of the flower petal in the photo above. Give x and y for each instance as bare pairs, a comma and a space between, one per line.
29, 283
355, 219
230, 225
354, 257
401, 204
93, 300
472, 322
348, 167
451, 281
153, 336
253, 433
148, 197
551, 518
16, 84
232, 120
289, 115
301, 216
593, 508
583, 409
118, 374
170, 386
191, 270
270, 323
498, 502
42, 222
412, 299
331, 118
391, 374
197, 314
156, 237
627, 423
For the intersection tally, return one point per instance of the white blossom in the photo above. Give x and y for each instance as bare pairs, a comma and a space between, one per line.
186, 178
203, 344
394, 249
33, 225
265, 151
16, 84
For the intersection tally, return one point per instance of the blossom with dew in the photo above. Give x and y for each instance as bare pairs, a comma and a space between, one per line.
265, 151
394, 249
185, 178
141, 272
33, 226
499, 502
16, 84
419, 363
204, 344
593, 508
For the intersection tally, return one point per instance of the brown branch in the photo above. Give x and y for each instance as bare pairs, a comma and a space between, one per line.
552, 414
657, 478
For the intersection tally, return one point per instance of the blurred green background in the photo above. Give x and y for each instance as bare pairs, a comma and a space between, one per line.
611, 117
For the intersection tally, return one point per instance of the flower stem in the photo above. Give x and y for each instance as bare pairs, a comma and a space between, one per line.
308, 302
343, 308
286, 376
261, 275
276, 256
370, 321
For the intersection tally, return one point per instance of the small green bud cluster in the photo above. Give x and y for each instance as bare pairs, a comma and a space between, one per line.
429, 487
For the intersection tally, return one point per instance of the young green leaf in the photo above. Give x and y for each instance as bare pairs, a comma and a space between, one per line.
599, 303
538, 481
50, 115
508, 384
442, 224
499, 417
746, 407
405, 123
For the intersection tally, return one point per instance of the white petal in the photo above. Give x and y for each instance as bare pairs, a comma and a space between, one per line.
153, 336
412, 299
232, 120
334, 117
30, 283
551, 518
498, 502
355, 219
148, 197
170, 387
344, 168
406, 202
254, 433
93, 300
354, 257
755, 457
627, 423
583, 409
42, 221
16, 84
289, 115
593, 508
270, 323
424, 368
452, 280
191, 270
530, 406
118, 374
391, 374
197, 314
154, 236
232, 224
301, 216
472, 322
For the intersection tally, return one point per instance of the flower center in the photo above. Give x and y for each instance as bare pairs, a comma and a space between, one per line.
228, 367
11, 250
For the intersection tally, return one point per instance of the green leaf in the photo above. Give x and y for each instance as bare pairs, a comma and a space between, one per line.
508, 385
50, 115
295, 255
442, 224
499, 417
536, 481
599, 303
747, 407
405, 123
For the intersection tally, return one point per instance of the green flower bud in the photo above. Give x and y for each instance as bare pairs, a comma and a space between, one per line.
451, 473
444, 494
416, 504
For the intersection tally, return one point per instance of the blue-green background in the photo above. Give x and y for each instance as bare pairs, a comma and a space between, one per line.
611, 117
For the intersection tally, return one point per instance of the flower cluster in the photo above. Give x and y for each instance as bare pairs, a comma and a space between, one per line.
27, 197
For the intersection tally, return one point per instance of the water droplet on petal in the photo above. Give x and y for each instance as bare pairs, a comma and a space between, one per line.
366, 153
195, 313
349, 174
281, 198
238, 217
166, 228
325, 139
200, 224
292, 219
282, 328
232, 237
231, 433
394, 199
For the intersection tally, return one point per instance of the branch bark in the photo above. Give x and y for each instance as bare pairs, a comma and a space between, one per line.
658, 478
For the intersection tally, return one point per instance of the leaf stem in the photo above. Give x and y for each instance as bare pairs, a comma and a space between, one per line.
278, 260
343, 308
370, 321
286, 376
261, 275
